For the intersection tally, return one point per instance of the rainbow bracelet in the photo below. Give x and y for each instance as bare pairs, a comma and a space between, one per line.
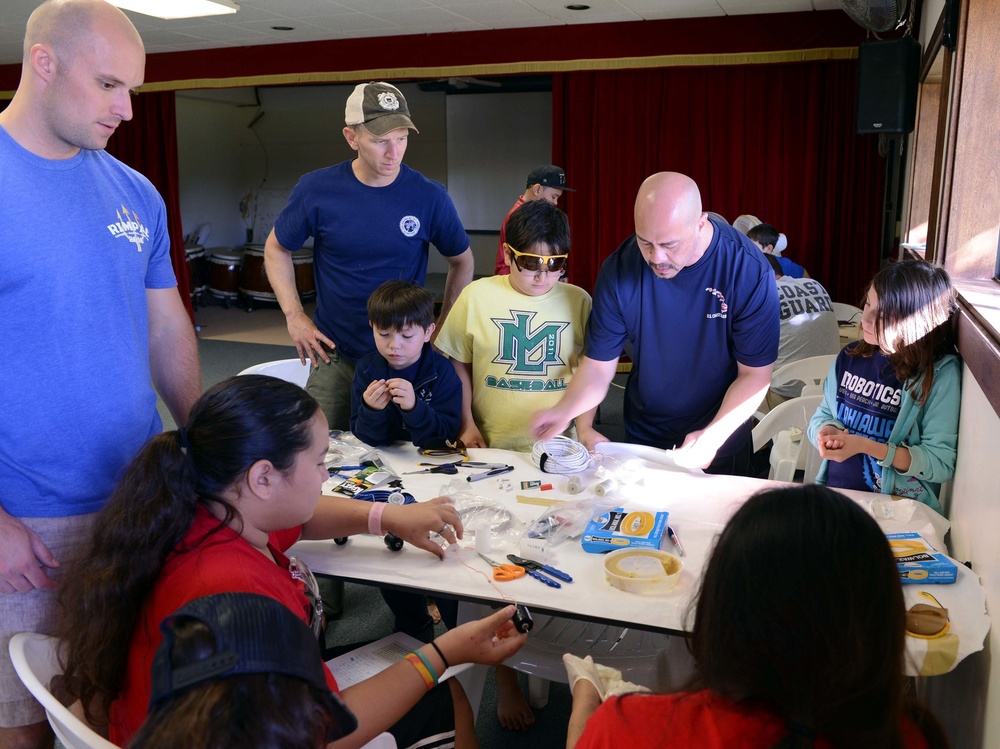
423, 668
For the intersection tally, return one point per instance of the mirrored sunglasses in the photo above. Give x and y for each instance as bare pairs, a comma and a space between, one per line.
926, 621
528, 262
310, 588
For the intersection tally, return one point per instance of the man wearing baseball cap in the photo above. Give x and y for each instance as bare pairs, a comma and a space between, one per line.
546, 183
372, 219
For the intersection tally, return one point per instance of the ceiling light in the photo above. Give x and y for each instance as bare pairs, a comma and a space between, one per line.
171, 9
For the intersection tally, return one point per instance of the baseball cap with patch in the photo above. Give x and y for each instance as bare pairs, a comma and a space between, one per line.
252, 634
379, 106
549, 176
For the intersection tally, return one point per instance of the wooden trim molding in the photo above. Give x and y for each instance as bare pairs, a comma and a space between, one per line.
979, 335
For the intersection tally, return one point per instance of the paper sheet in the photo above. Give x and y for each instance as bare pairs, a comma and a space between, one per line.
366, 661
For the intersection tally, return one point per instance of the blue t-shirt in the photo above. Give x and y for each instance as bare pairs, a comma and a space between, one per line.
868, 398
790, 268
363, 236
80, 242
687, 333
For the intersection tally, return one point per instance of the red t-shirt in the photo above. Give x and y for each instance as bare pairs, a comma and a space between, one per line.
203, 563
502, 269
698, 720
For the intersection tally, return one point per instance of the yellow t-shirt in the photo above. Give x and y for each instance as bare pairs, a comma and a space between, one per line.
523, 350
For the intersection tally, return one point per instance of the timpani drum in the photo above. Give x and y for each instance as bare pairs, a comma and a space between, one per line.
253, 277
197, 271
305, 282
224, 275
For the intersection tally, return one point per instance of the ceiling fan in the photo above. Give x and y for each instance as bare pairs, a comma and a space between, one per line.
877, 15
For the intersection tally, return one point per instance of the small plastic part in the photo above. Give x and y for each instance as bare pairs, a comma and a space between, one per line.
393, 542
605, 487
575, 484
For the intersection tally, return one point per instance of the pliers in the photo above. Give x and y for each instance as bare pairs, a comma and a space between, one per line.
535, 570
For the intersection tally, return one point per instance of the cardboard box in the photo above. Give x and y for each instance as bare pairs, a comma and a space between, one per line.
622, 529
919, 563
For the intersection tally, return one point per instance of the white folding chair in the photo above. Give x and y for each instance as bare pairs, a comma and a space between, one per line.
36, 661
786, 425
291, 370
847, 312
811, 372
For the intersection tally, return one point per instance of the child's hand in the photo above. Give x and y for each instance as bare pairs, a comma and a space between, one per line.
377, 396
401, 392
838, 444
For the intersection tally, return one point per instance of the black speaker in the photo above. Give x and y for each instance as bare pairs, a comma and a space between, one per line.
888, 74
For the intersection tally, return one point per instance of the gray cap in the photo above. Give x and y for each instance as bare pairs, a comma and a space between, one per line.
379, 106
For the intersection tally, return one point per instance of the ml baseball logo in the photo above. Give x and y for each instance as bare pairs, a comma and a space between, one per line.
723, 307
409, 225
129, 225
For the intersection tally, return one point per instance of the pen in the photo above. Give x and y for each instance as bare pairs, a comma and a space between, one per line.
624, 632
676, 540
492, 472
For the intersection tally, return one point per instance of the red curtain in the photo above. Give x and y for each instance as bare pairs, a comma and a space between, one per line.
773, 140
148, 144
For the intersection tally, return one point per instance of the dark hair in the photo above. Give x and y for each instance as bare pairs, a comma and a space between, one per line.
916, 305
801, 611
396, 304
764, 234
246, 710
233, 425
538, 222
775, 265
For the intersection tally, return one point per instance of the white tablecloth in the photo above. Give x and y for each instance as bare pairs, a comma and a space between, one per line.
699, 506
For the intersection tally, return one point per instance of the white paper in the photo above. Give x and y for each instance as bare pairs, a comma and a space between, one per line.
366, 661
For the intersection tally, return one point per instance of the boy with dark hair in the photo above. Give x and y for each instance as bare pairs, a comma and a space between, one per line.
767, 238
404, 390
514, 341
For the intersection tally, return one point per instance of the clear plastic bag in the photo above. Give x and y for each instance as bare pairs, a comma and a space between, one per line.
567, 520
479, 514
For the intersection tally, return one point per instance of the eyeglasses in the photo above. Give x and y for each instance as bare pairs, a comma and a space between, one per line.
926, 621
527, 262
310, 589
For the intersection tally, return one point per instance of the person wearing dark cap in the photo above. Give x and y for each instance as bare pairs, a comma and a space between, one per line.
240, 670
546, 183
372, 219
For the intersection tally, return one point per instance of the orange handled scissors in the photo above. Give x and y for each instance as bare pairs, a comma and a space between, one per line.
504, 573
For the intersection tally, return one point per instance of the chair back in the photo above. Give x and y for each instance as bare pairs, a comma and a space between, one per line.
290, 370
847, 312
787, 450
36, 661
811, 372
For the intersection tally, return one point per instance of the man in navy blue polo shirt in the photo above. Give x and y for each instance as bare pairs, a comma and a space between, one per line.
698, 304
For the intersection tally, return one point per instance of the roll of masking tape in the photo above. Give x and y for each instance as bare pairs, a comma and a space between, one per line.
575, 484
643, 571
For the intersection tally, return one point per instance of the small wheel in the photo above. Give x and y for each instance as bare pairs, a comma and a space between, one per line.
393, 542
340, 541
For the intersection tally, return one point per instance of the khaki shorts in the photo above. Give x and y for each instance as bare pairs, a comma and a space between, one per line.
330, 384
35, 612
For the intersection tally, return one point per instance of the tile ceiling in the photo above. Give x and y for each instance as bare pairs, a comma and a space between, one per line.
314, 20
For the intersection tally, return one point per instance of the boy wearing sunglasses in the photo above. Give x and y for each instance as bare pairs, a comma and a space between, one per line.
515, 340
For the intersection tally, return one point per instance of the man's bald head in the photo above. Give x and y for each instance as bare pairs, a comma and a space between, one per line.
671, 230
669, 195
66, 25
